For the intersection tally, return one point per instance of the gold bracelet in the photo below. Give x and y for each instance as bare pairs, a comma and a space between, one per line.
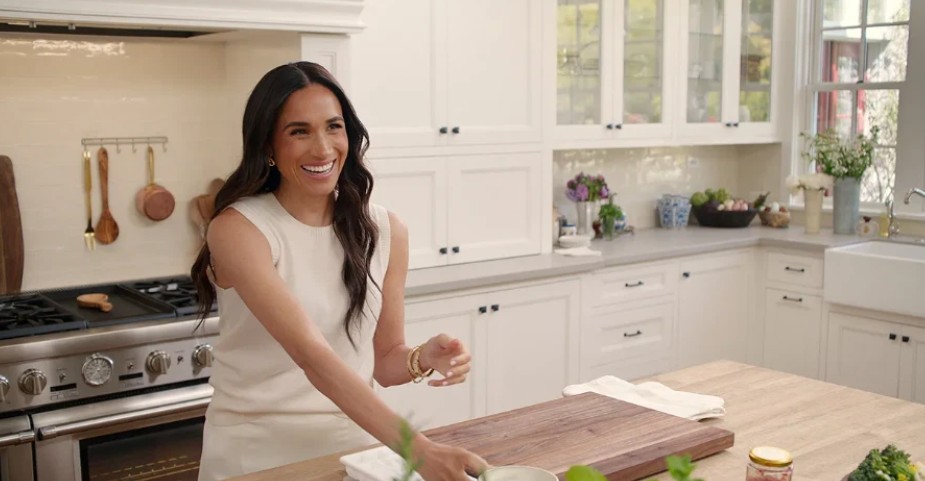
414, 365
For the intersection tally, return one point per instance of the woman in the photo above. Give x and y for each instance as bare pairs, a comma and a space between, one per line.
310, 282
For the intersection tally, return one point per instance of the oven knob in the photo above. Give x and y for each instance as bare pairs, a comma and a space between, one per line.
33, 382
202, 356
4, 388
158, 362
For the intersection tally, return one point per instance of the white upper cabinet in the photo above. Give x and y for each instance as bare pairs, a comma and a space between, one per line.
449, 72
614, 72
728, 86
320, 16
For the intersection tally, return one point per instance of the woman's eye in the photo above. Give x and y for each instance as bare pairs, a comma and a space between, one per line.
298, 132
335, 126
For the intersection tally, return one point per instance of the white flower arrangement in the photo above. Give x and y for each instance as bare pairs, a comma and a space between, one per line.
810, 181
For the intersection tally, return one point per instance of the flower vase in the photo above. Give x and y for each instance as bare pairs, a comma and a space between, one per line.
846, 204
812, 200
609, 226
586, 216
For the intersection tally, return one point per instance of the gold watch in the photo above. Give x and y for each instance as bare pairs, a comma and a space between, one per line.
414, 365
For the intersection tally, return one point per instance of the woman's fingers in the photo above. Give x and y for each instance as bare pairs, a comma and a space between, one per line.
454, 376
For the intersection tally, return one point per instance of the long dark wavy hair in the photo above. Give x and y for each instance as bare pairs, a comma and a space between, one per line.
355, 229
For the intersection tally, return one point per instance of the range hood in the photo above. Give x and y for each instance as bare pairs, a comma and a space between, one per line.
179, 18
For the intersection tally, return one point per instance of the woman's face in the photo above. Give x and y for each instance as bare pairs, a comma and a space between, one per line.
310, 141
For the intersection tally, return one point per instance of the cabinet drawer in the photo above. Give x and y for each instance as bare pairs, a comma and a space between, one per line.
628, 369
625, 334
625, 284
793, 269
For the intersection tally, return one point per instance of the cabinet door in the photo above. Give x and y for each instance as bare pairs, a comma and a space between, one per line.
627, 343
493, 71
530, 345
426, 406
756, 104
864, 354
792, 337
713, 309
415, 190
399, 72
493, 206
912, 374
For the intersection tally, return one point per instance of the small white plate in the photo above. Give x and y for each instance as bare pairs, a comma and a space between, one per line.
517, 473
569, 241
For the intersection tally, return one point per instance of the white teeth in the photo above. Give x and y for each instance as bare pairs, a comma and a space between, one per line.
319, 169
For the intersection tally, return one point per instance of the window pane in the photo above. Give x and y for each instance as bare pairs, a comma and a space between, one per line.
887, 50
878, 181
755, 74
879, 108
579, 62
840, 13
834, 111
642, 64
886, 11
754, 106
705, 64
759, 16
841, 55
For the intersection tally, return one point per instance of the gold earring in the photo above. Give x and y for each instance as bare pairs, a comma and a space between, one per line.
271, 162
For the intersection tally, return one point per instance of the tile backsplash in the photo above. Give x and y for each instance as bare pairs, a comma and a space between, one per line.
640, 176
56, 91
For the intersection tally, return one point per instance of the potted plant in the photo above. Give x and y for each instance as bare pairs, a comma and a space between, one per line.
610, 214
846, 161
586, 190
814, 186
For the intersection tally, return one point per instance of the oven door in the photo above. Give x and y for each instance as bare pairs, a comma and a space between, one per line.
156, 435
16, 437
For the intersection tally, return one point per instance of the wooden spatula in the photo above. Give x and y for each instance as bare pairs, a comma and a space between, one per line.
94, 300
107, 231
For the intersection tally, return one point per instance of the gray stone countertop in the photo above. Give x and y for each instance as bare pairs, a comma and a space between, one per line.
644, 246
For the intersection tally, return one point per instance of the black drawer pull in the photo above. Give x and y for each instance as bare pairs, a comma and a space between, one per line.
632, 334
443, 250
456, 249
483, 309
793, 299
892, 336
906, 339
455, 130
686, 275
635, 284
609, 126
795, 269
495, 307
444, 130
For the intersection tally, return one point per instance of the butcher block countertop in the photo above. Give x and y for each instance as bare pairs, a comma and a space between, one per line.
828, 428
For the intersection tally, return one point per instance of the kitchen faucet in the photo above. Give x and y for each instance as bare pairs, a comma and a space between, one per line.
914, 191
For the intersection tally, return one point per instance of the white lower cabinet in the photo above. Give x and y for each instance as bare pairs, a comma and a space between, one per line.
876, 355
713, 307
792, 332
629, 343
524, 345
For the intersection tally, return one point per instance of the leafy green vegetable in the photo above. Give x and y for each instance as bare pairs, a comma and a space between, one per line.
699, 198
405, 450
889, 464
679, 467
584, 473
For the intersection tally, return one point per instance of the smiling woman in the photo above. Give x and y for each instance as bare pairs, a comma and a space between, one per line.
309, 278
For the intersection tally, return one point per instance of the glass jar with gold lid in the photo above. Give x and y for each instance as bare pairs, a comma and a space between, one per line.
766, 463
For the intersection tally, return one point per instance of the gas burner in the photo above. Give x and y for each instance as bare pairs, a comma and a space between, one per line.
179, 292
31, 314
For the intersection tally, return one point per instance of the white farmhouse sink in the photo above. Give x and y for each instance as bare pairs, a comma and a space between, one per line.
882, 276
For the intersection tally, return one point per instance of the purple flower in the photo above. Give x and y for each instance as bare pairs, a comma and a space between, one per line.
570, 184
582, 192
605, 192
571, 195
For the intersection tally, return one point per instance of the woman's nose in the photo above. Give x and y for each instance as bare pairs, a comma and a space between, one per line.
322, 147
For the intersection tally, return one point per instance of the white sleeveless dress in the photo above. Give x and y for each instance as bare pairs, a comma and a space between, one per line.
264, 412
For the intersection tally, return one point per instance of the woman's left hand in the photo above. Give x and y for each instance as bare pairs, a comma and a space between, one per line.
449, 357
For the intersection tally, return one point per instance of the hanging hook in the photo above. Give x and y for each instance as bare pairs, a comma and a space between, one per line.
118, 147
133, 146
164, 146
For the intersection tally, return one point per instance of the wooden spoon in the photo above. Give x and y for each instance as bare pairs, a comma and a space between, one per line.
94, 300
107, 231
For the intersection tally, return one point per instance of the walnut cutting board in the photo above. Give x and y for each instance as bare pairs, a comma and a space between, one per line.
624, 441
11, 242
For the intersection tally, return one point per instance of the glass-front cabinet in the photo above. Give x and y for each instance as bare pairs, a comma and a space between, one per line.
612, 71
727, 54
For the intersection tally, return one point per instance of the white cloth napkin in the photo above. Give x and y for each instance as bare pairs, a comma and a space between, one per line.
577, 251
653, 395
376, 464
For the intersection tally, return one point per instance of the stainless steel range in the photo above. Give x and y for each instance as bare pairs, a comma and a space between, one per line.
104, 395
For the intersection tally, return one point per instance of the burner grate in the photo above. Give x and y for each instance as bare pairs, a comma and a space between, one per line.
179, 292
32, 314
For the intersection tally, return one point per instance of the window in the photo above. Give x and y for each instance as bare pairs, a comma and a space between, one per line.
858, 78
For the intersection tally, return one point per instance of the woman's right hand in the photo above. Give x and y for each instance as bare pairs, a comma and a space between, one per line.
439, 462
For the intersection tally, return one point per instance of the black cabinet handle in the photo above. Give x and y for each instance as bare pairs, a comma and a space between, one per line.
795, 269
455, 130
793, 299
635, 284
728, 124
618, 126
483, 309
495, 307
443, 250
609, 126
686, 275
892, 336
456, 249
735, 124
905, 338
634, 334
444, 130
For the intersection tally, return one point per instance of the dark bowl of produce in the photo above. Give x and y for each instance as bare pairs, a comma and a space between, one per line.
709, 216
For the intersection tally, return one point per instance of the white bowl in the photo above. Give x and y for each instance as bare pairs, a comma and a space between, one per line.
569, 241
517, 473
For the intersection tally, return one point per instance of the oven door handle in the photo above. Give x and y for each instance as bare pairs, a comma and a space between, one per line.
64, 429
17, 439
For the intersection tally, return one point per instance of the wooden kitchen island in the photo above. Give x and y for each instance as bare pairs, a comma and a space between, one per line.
828, 428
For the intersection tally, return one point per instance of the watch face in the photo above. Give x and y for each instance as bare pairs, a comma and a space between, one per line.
97, 370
